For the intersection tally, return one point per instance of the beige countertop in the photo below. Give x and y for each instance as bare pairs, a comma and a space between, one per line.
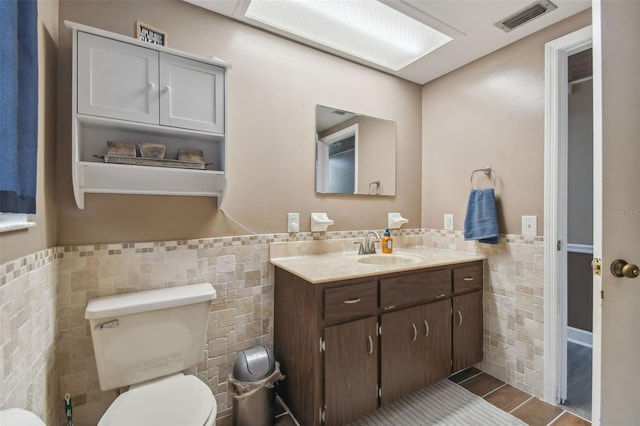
334, 260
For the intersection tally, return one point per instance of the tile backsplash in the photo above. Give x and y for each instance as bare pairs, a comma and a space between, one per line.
56, 284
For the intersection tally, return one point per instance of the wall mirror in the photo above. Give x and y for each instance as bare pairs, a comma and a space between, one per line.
355, 153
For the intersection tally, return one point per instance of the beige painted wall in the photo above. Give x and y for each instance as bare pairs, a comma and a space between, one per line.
273, 89
489, 113
21, 243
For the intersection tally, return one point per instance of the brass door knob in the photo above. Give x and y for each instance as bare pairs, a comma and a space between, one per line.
621, 268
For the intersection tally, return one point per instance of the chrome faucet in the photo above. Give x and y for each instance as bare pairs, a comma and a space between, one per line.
369, 247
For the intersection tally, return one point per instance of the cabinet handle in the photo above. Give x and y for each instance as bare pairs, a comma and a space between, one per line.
426, 328
459, 317
386, 308
151, 85
370, 345
167, 89
415, 332
468, 278
352, 301
441, 295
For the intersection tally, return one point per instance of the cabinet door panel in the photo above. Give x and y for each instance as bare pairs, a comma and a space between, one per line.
437, 337
402, 353
467, 330
351, 370
117, 80
191, 94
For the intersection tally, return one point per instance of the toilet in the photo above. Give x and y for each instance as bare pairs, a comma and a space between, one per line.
145, 340
19, 417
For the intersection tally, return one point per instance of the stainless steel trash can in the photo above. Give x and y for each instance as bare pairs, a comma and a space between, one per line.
253, 387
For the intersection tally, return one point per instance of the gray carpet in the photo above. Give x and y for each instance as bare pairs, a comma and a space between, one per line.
444, 403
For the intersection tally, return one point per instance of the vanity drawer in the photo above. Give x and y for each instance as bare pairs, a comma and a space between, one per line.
418, 287
350, 301
468, 278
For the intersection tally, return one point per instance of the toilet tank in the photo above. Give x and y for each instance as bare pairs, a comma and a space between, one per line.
148, 334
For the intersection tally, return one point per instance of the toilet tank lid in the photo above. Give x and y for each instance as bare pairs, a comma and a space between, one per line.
148, 300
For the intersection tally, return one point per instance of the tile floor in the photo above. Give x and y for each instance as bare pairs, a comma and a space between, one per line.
527, 408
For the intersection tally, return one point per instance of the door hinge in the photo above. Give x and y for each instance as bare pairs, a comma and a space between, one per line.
323, 414
602, 294
596, 264
322, 346
559, 245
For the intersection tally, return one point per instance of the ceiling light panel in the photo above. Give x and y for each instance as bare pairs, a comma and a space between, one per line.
368, 30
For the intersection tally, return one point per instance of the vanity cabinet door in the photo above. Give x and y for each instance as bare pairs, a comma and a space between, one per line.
437, 339
117, 80
191, 94
467, 330
402, 353
350, 370
415, 349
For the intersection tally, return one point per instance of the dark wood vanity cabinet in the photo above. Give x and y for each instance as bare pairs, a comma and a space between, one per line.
346, 347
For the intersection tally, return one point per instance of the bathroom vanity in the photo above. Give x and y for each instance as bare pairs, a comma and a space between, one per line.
367, 334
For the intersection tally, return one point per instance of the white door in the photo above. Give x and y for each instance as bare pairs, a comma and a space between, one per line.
191, 94
117, 80
617, 133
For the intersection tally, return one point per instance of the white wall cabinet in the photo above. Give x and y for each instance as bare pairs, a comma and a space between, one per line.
130, 91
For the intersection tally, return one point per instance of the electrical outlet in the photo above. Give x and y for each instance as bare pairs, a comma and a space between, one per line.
448, 221
529, 225
293, 222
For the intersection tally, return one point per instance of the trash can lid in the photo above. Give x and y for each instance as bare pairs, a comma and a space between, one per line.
254, 364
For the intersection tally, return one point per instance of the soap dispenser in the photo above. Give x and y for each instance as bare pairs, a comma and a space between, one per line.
387, 242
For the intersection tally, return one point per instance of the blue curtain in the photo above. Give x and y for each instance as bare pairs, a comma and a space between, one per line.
18, 105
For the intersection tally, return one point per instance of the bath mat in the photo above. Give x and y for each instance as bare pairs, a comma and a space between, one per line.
444, 404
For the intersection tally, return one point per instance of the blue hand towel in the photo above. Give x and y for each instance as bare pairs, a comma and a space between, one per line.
481, 220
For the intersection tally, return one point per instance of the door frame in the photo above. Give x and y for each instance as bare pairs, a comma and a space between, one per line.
555, 210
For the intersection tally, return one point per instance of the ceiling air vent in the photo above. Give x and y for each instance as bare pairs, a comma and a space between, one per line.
525, 15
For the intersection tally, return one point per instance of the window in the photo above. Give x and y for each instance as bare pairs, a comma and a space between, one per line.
19, 106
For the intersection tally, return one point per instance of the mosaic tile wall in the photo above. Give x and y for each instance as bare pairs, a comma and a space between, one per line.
28, 367
242, 314
513, 305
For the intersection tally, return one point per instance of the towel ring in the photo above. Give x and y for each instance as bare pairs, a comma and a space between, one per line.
487, 171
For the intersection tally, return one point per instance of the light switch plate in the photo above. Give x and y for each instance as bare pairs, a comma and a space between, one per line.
448, 221
530, 225
293, 222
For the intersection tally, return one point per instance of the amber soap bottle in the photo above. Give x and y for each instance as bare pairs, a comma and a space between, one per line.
387, 242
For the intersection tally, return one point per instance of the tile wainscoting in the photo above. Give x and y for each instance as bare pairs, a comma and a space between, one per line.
242, 314
28, 335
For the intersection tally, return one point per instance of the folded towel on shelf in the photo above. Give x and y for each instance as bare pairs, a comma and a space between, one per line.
481, 220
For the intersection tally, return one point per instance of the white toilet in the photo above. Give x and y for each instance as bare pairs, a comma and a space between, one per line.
146, 339
19, 417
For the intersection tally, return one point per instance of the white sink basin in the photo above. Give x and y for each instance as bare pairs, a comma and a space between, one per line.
389, 259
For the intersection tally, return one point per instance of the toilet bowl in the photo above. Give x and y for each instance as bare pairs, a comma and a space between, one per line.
145, 340
19, 417
170, 401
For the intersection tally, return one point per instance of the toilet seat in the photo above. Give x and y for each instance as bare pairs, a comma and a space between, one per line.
174, 400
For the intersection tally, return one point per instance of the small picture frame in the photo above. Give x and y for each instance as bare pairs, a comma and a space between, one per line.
146, 32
